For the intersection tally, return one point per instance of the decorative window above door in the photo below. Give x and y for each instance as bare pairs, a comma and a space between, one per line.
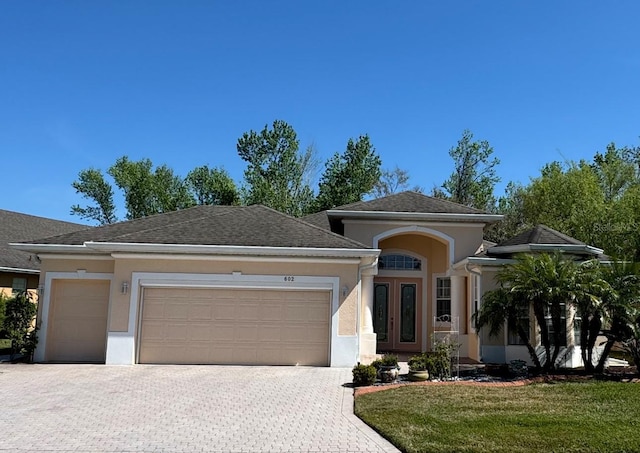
398, 262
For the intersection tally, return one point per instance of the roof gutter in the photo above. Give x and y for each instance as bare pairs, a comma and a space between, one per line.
110, 247
571, 248
19, 270
51, 248
421, 216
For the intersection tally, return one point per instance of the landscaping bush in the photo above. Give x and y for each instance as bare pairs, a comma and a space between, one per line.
20, 312
3, 305
364, 375
386, 360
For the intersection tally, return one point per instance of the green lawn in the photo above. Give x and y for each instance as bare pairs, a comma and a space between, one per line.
564, 417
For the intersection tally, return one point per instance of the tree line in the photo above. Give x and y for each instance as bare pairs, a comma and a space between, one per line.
596, 201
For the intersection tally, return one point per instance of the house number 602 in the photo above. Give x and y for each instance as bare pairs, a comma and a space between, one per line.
289, 278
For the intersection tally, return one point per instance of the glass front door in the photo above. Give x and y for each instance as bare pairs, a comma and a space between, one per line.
397, 314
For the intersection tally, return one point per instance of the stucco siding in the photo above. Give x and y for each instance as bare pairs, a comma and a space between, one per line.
467, 239
348, 274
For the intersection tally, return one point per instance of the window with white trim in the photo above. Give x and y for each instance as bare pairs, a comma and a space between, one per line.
523, 320
398, 262
18, 285
443, 297
563, 324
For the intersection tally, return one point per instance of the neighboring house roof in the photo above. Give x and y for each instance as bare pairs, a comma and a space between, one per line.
408, 204
541, 238
240, 226
17, 227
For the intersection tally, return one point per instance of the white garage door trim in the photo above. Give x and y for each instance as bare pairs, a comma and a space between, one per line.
121, 346
278, 348
39, 353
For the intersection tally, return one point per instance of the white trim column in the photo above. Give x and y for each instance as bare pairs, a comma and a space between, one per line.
368, 338
458, 293
367, 302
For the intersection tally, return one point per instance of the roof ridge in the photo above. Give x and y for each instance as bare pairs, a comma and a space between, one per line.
299, 220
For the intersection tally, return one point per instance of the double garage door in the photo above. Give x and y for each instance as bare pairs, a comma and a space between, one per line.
234, 326
195, 325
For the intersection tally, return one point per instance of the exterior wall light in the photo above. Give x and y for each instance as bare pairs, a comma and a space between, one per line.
125, 287
345, 291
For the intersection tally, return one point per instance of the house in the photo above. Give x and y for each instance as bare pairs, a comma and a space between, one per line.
249, 285
19, 269
539, 239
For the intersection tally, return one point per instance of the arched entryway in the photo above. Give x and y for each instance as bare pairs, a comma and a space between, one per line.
403, 294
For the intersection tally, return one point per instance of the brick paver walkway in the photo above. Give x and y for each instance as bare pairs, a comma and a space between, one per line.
97, 408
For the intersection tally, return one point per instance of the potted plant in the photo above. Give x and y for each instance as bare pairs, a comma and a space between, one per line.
419, 367
387, 368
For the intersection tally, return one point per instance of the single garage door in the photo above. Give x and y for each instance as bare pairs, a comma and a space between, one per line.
77, 329
235, 326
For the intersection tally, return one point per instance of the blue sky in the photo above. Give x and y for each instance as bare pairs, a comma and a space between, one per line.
82, 83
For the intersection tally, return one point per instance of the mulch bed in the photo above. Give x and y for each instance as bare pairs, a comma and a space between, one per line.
626, 374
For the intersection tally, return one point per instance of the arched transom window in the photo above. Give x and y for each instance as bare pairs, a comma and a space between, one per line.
399, 262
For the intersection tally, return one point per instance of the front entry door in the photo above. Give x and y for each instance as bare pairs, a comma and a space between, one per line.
397, 314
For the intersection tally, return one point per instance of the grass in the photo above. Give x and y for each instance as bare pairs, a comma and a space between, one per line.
564, 417
5, 344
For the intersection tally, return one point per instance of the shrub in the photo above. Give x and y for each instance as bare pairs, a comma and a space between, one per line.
364, 375
3, 304
377, 363
389, 360
418, 362
20, 312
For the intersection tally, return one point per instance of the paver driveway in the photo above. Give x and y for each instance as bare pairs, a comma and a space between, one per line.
89, 408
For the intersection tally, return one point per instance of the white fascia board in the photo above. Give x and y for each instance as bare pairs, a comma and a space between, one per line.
523, 248
243, 258
423, 216
412, 222
113, 247
50, 248
478, 261
19, 270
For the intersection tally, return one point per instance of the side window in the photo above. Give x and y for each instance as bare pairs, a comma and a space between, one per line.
19, 285
443, 298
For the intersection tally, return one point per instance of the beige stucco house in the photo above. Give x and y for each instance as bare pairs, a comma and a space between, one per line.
249, 285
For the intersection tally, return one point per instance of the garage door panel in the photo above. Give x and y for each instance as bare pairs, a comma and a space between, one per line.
232, 326
78, 321
177, 311
270, 333
225, 311
200, 311
246, 332
248, 311
200, 332
174, 331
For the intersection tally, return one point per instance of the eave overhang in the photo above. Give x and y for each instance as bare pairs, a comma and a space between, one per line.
415, 216
19, 270
107, 248
548, 248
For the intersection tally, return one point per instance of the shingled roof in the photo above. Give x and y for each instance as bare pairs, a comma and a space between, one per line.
255, 225
410, 202
17, 227
403, 202
541, 234
543, 238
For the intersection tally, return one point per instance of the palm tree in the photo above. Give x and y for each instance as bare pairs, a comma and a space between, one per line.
548, 283
621, 305
499, 306
590, 290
